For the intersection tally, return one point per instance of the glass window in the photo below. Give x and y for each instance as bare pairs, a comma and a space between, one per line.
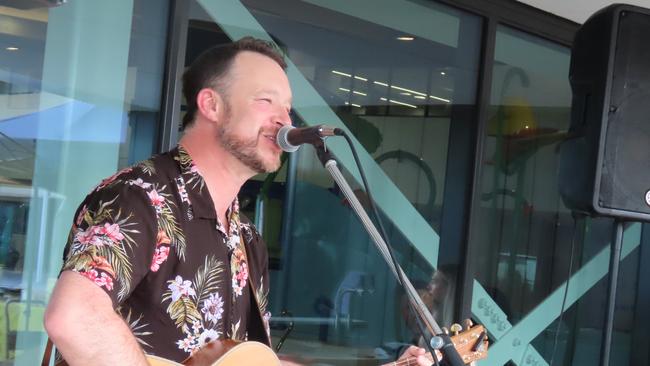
400, 78
524, 237
80, 86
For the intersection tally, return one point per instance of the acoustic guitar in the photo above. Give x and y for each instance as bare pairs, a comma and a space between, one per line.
471, 344
225, 353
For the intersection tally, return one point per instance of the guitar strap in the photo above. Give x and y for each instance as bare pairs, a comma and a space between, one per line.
257, 329
48, 353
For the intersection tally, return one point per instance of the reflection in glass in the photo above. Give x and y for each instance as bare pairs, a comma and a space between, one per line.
71, 113
523, 251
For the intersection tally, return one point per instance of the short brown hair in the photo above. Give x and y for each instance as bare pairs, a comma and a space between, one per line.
211, 69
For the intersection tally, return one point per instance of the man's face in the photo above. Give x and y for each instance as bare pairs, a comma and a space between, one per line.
257, 105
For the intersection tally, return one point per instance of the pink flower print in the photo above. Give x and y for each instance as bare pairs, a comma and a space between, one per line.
213, 308
112, 178
109, 234
156, 199
105, 281
91, 275
112, 231
81, 215
240, 278
181, 288
90, 236
193, 168
84, 237
140, 183
161, 254
187, 344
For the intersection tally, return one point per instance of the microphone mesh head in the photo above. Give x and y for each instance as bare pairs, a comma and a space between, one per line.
282, 139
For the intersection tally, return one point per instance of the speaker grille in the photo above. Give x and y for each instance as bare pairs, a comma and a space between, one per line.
626, 160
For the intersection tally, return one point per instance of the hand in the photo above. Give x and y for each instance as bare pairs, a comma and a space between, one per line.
418, 353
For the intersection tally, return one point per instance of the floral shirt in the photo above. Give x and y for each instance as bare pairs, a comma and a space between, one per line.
150, 238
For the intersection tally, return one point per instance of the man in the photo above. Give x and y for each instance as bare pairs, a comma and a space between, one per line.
163, 242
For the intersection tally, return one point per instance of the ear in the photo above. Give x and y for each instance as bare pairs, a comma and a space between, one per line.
210, 104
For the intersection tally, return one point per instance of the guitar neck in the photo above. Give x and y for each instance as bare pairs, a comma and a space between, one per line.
471, 345
411, 360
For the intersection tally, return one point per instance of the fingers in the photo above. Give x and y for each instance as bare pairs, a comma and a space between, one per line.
414, 351
423, 361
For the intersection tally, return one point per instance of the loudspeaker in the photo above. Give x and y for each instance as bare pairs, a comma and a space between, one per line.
605, 161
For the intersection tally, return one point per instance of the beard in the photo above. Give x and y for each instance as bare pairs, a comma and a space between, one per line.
245, 150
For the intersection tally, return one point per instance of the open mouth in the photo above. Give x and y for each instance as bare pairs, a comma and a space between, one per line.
272, 139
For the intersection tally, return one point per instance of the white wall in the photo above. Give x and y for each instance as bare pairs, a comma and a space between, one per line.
578, 10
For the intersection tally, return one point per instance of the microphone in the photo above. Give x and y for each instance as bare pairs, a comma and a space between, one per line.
290, 138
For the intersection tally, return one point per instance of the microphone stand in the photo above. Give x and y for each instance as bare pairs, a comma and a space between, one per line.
451, 356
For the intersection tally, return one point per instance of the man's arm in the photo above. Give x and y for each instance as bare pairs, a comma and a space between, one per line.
85, 328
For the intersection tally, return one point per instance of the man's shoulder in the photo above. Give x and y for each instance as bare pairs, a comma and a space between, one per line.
156, 171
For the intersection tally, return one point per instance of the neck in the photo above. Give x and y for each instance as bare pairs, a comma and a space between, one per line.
223, 173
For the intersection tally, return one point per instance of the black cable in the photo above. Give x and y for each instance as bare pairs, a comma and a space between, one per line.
375, 214
566, 289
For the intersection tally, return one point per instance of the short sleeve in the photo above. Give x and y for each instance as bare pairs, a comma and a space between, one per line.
113, 239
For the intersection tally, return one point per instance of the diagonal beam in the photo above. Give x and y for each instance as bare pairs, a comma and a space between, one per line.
238, 22
513, 342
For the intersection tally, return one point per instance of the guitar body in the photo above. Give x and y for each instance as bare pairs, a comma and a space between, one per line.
225, 353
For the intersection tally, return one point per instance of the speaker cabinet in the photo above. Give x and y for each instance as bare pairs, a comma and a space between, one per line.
605, 161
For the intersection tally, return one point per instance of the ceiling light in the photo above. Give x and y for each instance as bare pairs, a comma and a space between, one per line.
405, 93
356, 105
12, 48
360, 78
345, 90
402, 103
405, 38
380, 83
440, 99
407, 90
384, 99
419, 97
443, 73
341, 73
359, 93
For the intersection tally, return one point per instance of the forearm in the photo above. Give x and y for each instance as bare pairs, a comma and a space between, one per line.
81, 322
110, 343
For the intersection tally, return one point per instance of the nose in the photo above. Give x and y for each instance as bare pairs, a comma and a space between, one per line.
283, 117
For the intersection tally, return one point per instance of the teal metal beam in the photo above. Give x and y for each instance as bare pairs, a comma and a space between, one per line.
513, 342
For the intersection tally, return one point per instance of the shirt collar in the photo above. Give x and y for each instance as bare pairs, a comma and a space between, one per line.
199, 197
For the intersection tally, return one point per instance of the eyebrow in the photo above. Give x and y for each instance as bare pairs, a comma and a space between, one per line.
275, 93
267, 91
